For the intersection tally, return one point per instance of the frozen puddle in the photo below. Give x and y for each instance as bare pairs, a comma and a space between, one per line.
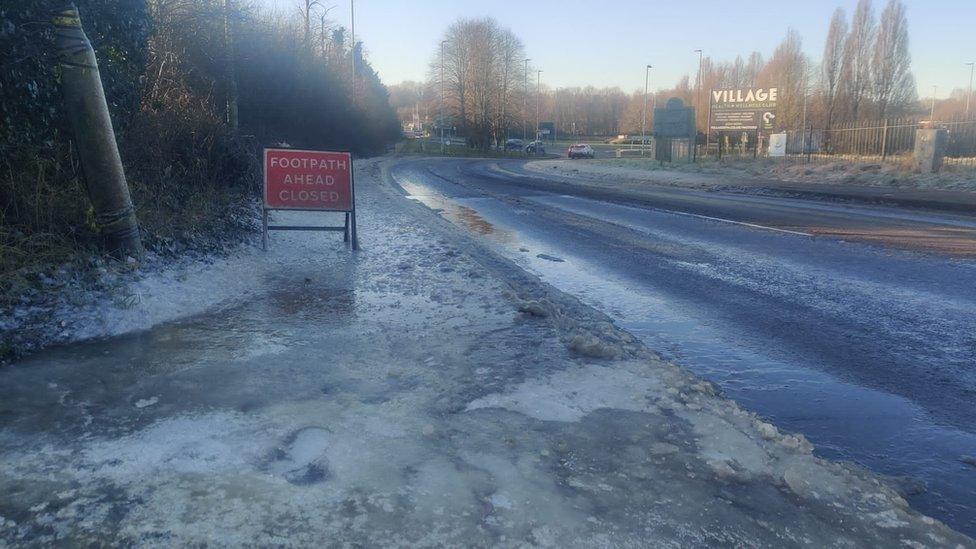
571, 394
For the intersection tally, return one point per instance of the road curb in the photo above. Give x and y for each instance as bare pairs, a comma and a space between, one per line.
954, 201
885, 199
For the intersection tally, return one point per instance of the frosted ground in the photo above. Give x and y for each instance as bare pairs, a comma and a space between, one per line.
756, 173
421, 392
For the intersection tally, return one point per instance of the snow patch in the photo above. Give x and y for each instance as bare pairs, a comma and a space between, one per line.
186, 288
203, 444
143, 403
571, 394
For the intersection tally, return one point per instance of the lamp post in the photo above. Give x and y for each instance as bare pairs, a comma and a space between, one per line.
935, 89
555, 112
443, 96
352, 48
700, 78
525, 98
803, 124
698, 101
538, 100
647, 77
969, 95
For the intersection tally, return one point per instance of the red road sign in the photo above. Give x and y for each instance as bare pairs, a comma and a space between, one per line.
307, 180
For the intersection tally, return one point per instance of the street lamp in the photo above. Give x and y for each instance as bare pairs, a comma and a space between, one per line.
647, 76
443, 96
969, 95
352, 49
555, 115
698, 102
538, 100
525, 98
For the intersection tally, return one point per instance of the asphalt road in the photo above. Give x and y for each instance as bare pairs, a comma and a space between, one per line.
855, 325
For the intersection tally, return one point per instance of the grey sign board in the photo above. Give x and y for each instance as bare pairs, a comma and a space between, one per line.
674, 120
743, 109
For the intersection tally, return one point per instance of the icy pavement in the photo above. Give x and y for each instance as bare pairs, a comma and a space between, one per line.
420, 392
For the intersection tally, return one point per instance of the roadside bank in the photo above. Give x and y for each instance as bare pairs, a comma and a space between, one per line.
954, 191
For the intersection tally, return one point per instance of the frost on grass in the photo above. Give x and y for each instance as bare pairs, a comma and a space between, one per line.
715, 174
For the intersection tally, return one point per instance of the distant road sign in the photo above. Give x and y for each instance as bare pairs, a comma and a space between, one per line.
307, 180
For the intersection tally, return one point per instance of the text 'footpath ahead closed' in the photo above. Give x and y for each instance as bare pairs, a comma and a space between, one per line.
307, 180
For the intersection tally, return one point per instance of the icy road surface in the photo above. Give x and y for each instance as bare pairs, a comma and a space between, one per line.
868, 351
422, 392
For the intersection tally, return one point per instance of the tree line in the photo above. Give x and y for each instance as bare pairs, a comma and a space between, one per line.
864, 73
195, 88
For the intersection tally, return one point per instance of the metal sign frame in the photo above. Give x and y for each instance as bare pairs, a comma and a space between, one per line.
348, 228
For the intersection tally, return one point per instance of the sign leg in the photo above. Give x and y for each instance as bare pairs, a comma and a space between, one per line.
264, 229
352, 227
345, 233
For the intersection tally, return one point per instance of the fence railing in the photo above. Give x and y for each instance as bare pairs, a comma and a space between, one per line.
872, 141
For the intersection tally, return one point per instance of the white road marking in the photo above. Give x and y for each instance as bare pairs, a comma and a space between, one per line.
723, 220
498, 168
542, 201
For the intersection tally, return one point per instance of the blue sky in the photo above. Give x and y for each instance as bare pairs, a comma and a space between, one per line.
580, 42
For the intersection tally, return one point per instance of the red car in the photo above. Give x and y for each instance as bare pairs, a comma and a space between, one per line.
580, 150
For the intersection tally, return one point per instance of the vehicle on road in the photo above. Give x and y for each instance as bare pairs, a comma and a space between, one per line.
514, 145
536, 147
580, 150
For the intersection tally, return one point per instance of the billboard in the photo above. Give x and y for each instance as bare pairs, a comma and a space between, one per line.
307, 180
675, 120
743, 109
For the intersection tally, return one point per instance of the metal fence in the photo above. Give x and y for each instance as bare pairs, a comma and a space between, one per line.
880, 141
867, 141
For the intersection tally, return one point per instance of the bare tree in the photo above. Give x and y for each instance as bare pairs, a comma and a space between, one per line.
305, 13
830, 66
483, 49
856, 65
786, 70
894, 85
863, 65
456, 78
753, 66
511, 52
325, 31
480, 78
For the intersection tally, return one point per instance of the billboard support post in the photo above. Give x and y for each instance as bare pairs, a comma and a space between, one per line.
809, 150
708, 125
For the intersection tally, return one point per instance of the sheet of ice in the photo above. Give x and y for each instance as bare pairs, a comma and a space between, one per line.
575, 392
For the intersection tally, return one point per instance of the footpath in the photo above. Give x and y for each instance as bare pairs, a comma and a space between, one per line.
420, 392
